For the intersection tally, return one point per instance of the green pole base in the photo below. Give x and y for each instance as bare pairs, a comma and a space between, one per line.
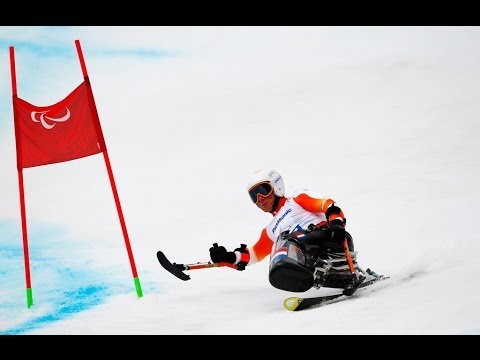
29, 298
138, 287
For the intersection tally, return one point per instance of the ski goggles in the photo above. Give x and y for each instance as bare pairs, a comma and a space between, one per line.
262, 189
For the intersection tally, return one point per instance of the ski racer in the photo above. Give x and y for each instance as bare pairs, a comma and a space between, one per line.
306, 239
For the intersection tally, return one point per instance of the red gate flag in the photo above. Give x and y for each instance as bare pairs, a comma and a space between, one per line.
67, 130
60, 132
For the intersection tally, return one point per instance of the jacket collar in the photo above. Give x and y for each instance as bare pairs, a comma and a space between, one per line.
281, 201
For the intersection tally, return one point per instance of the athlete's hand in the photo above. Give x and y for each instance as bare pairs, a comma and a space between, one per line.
220, 254
337, 231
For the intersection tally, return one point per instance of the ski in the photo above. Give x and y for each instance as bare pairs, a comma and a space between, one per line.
296, 303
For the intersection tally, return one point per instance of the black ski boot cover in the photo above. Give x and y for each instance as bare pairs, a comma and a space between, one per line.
288, 269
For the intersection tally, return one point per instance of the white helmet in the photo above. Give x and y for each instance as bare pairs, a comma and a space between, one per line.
272, 177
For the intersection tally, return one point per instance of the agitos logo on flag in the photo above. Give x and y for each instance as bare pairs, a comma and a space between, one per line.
67, 130
61, 132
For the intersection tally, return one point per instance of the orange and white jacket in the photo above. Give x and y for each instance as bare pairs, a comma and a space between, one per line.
292, 213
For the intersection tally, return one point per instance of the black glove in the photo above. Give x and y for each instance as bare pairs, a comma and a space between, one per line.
337, 231
220, 254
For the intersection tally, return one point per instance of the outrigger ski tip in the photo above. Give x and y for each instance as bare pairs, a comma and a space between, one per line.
175, 269
178, 269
